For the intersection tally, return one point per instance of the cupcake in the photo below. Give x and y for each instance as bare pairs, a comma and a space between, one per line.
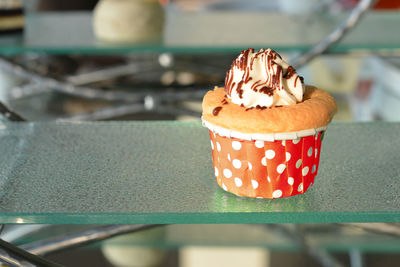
266, 127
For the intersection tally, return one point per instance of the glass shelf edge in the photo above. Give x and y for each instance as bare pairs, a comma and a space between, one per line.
200, 218
9, 50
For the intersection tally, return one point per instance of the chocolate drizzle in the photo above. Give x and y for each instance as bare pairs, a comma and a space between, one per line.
228, 81
216, 111
277, 78
224, 101
267, 90
253, 87
289, 72
260, 107
276, 54
243, 59
263, 64
247, 77
239, 89
241, 63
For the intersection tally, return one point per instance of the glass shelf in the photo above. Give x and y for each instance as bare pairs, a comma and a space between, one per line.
332, 237
189, 32
161, 172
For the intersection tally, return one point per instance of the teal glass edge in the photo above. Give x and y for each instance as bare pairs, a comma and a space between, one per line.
200, 218
14, 50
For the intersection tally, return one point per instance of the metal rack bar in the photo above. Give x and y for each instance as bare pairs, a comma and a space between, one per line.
336, 35
298, 236
9, 114
45, 247
15, 256
390, 229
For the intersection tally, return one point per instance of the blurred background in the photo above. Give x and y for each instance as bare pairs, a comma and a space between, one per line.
87, 60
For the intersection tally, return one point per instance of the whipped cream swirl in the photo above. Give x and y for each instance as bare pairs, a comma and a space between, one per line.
263, 79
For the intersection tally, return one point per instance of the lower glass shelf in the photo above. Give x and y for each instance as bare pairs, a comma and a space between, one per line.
161, 173
330, 237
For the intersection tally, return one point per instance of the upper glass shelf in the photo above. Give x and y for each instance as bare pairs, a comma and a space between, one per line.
161, 172
208, 32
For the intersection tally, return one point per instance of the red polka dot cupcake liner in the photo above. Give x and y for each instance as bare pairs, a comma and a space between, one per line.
266, 169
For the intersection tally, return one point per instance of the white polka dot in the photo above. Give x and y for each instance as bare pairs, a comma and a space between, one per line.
238, 182
290, 180
314, 168
305, 170
236, 145
283, 142
229, 157
300, 188
316, 152
268, 179
277, 194
227, 173
264, 161
250, 166
259, 197
288, 156
254, 183
298, 163
270, 154
295, 141
216, 171
309, 152
218, 147
224, 187
259, 144
237, 163
280, 168
212, 145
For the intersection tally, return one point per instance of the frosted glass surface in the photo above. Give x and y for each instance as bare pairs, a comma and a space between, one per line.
161, 172
208, 31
